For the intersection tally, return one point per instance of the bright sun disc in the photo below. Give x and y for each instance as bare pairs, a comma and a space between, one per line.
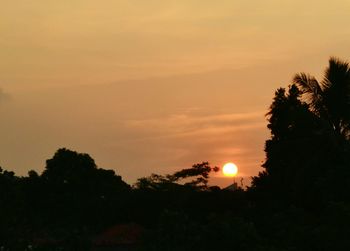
230, 169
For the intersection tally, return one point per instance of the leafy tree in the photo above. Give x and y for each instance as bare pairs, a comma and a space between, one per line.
330, 97
303, 155
68, 166
199, 172
289, 117
78, 170
10, 205
293, 128
80, 196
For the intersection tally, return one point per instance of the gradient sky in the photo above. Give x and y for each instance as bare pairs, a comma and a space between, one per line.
158, 85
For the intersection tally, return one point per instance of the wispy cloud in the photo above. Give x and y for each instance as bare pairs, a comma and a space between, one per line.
4, 96
181, 139
187, 125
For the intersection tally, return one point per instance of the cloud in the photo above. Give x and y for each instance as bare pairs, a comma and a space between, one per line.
181, 139
139, 127
190, 125
4, 96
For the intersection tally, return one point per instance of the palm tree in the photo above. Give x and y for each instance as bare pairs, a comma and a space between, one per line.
330, 98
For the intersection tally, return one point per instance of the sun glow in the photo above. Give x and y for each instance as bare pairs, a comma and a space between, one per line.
230, 169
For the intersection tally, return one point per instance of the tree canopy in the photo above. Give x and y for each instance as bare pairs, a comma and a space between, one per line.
200, 172
299, 201
330, 97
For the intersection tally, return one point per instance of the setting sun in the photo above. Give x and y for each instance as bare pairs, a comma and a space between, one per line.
230, 169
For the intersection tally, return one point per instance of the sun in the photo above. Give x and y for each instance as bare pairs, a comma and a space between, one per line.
230, 169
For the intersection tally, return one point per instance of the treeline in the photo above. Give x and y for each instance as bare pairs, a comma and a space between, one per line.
73, 200
300, 201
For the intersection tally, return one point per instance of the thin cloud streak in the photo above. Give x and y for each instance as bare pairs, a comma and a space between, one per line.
193, 125
139, 127
4, 96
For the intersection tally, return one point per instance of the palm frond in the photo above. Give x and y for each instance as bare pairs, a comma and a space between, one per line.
311, 89
336, 84
337, 74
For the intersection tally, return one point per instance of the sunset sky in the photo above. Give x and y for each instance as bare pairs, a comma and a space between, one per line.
154, 86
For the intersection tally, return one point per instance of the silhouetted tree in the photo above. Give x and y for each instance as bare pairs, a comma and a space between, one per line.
293, 128
200, 172
71, 169
303, 156
300, 201
77, 196
330, 98
10, 205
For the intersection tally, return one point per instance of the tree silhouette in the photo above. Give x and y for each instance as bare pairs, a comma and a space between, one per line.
294, 130
300, 201
330, 97
78, 195
303, 155
200, 172
71, 169
68, 166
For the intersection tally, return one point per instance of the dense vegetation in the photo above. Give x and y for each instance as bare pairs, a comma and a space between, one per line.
300, 201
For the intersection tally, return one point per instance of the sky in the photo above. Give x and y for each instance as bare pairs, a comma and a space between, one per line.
154, 86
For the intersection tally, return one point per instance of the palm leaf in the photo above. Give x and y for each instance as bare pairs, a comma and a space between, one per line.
336, 84
311, 89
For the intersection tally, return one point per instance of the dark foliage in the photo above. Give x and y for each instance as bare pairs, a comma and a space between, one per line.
200, 173
300, 201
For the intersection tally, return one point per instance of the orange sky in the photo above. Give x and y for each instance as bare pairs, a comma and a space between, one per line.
157, 85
